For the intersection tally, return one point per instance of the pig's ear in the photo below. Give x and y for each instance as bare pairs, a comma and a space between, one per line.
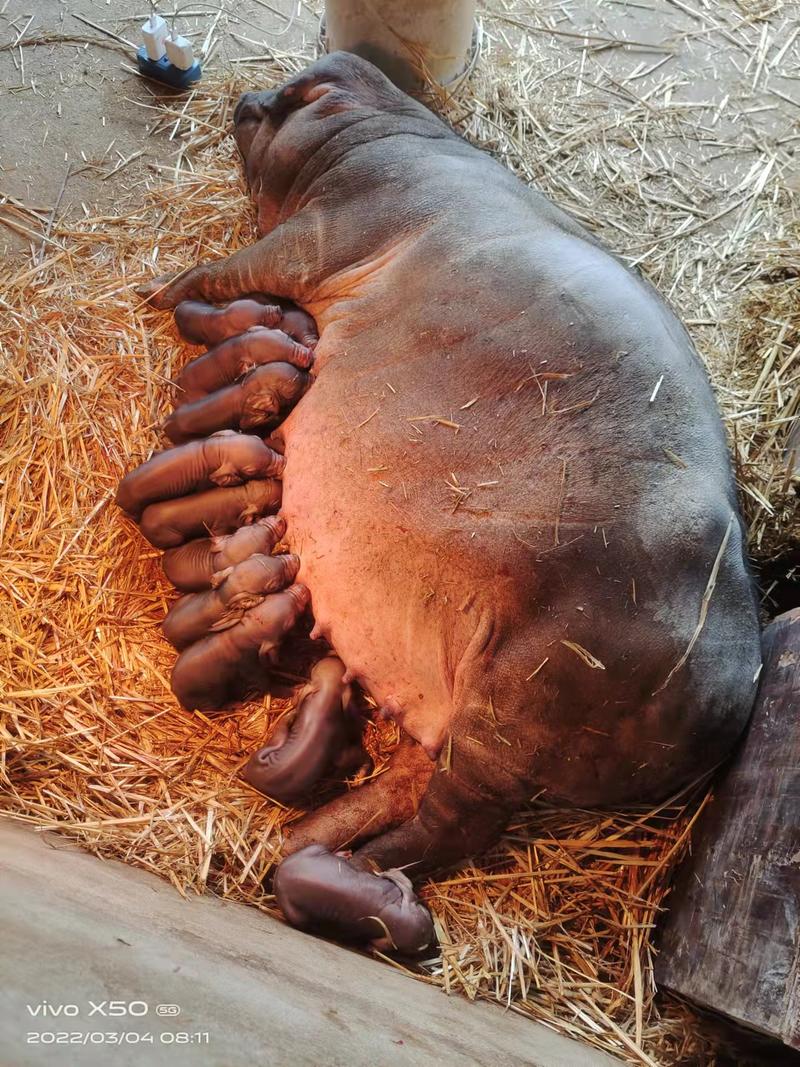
302, 90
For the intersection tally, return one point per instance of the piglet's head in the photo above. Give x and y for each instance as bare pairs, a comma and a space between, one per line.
280, 131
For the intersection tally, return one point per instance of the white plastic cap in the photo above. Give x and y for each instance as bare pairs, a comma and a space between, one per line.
179, 52
154, 34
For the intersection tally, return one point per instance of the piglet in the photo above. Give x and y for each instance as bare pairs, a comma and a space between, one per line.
225, 666
323, 733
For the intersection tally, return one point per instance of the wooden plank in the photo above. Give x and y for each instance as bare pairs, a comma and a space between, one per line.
731, 940
249, 988
792, 451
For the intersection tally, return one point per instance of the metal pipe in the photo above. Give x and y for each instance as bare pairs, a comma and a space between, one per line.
414, 42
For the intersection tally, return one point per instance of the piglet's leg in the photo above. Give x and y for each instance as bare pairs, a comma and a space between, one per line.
294, 321
191, 567
305, 748
228, 665
243, 586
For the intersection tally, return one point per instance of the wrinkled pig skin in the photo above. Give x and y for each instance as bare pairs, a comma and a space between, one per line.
225, 666
324, 893
236, 590
217, 511
323, 733
479, 482
257, 401
233, 358
224, 459
191, 567
203, 324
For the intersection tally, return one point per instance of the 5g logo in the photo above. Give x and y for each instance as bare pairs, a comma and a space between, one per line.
167, 1009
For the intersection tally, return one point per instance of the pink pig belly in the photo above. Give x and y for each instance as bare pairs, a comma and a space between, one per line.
369, 585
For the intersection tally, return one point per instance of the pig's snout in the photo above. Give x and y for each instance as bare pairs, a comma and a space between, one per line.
248, 108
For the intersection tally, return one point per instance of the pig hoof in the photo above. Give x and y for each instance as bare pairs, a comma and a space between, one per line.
154, 291
324, 893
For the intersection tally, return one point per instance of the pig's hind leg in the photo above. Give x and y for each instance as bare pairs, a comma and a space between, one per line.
386, 801
459, 815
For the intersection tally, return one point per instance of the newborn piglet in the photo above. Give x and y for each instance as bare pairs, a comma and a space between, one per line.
319, 891
259, 400
196, 565
320, 738
228, 361
254, 372
223, 459
229, 664
204, 324
236, 589
170, 498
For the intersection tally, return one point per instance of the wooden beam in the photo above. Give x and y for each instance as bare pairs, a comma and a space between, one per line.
731, 940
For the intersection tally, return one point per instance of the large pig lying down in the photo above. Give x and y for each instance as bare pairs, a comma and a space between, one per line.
508, 488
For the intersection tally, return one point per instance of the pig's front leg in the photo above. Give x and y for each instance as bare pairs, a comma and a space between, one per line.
285, 261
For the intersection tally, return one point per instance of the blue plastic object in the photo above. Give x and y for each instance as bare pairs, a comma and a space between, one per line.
164, 71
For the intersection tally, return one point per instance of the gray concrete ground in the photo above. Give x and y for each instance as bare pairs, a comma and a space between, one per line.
79, 931
70, 100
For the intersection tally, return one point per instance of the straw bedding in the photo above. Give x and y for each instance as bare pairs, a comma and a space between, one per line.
556, 921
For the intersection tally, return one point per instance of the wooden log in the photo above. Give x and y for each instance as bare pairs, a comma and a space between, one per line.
792, 450
731, 940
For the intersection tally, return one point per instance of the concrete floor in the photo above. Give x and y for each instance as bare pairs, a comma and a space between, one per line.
245, 988
71, 103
